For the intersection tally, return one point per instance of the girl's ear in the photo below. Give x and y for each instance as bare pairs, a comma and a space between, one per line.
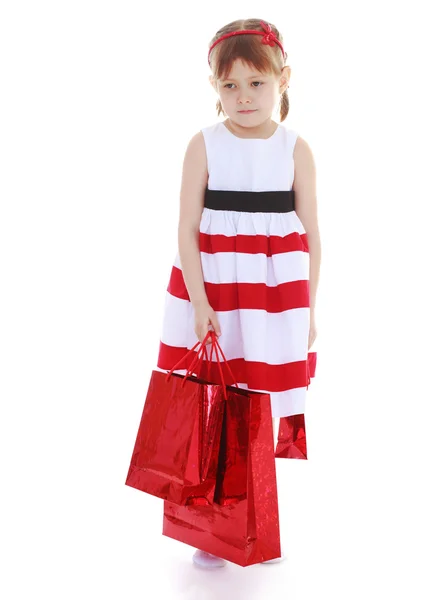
285, 78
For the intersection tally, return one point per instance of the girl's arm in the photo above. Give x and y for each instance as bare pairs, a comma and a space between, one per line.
304, 186
194, 182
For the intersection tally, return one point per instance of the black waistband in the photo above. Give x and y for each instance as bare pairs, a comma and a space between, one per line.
274, 201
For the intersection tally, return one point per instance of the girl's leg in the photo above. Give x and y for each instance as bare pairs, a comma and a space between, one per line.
207, 561
275, 422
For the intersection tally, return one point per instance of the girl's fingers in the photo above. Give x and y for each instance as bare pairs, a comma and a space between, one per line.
215, 326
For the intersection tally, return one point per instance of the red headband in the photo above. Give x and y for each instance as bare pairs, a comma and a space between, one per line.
268, 37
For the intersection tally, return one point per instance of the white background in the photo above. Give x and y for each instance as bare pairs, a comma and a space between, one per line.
98, 102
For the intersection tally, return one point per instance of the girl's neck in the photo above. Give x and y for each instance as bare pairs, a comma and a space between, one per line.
262, 131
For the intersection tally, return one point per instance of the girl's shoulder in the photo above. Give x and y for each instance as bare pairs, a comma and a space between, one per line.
214, 129
288, 131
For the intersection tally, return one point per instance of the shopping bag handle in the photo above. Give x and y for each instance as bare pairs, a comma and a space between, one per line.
196, 358
199, 361
216, 346
201, 354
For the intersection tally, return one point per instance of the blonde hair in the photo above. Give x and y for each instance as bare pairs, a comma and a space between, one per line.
265, 58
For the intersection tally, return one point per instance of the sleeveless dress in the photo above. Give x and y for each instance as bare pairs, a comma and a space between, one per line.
255, 262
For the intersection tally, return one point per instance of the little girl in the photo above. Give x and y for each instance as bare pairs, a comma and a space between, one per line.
249, 248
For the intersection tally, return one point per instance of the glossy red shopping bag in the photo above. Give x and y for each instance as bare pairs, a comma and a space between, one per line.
242, 525
291, 437
292, 431
175, 455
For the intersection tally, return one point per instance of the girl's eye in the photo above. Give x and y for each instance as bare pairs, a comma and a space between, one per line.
260, 82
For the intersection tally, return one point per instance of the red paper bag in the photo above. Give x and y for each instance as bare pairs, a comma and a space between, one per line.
175, 456
312, 365
292, 437
242, 525
292, 430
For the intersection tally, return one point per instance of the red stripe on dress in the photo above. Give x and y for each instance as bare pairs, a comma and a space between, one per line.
257, 375
254, 244
233, 296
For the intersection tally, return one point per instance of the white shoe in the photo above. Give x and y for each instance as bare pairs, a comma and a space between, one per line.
274, 560
208, 561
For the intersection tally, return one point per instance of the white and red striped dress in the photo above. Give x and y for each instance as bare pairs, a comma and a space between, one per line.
255, 262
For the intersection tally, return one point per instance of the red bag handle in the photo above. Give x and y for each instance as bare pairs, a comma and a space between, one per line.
198, 360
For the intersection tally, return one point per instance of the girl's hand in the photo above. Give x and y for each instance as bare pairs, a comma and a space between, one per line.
312, 333
205, 319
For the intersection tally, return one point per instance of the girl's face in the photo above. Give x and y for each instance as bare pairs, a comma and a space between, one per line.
247, 89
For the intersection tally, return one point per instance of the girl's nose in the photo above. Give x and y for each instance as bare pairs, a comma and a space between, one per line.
244, 97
